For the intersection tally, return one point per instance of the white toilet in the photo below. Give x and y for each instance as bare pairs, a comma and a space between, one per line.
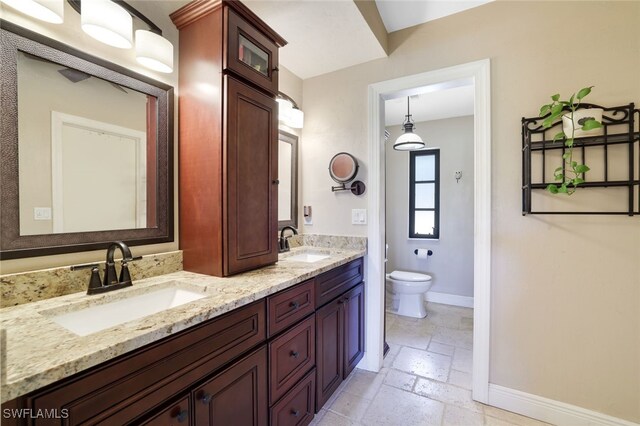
409, 289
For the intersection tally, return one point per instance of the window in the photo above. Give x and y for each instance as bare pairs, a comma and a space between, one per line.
424, 194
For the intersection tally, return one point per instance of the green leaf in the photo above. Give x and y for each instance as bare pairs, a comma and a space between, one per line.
563, 189
577, 181
581, 168
574, 164
571, 99
556, 109
555, 97
569, 142
591, 124
584, 92
559, 136
566, 155
552, 188
544, 110
559, 177
558, 169
548, 122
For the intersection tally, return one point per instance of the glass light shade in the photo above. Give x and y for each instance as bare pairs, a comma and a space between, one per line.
45, 10
107, 22
154, 51
408, 141
296, 119
285, 107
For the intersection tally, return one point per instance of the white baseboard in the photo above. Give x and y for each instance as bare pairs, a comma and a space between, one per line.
549, 410
449, 299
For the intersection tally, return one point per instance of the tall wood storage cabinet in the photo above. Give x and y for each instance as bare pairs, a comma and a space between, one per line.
228, 138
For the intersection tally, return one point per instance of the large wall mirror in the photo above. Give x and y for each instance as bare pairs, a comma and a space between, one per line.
288, 177
86, 150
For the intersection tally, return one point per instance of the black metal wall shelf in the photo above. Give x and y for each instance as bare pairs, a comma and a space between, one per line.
620, 127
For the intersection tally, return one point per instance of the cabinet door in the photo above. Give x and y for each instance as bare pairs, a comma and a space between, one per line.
329, 350
176, 414
237, 396
353, 304
251, 190
249, 53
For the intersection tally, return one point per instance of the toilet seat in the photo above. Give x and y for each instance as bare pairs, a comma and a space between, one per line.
409, 277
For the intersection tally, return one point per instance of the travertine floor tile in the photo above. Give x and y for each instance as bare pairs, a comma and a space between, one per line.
349, 405
463, 360
400, 379
456, 416
460, 378
395, 407
365, 384
447, 393
450, 336
441, 348
496, 416
412, 335
423, 363
333, 419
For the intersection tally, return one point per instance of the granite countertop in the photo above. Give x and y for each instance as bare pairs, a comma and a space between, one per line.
36, 351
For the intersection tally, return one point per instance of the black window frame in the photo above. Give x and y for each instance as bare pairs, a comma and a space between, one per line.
412, 194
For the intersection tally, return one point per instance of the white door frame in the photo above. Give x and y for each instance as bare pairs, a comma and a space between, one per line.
479, 71
58, 121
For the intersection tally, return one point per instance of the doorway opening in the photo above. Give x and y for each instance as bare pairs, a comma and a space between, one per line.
479, 73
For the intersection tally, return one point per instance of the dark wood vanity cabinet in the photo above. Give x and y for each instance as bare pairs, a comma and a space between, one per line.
275, 361
228, 138
339, 328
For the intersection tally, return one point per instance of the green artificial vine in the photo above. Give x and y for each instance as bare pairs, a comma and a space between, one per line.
568, 175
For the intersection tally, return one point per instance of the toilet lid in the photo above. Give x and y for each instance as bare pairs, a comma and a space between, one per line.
409, 276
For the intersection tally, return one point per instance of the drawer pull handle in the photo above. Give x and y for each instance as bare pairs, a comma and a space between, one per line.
295, 413
343, 301
294, 305
182, 415
205, 398
295, 354
275, 69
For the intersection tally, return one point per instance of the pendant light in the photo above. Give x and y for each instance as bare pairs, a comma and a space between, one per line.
45, 10
107, 22
154, 51
408, 141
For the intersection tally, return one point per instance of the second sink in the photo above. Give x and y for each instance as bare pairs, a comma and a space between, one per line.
94, 318
308, 257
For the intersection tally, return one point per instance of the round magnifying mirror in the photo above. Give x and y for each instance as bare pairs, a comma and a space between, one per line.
343, 167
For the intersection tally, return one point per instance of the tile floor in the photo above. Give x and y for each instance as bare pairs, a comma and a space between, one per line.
425, 379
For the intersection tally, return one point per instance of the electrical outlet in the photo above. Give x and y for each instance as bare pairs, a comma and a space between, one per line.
42, 213
359, 216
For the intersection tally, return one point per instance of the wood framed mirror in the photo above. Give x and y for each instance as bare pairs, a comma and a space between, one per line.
288, 180
87, 150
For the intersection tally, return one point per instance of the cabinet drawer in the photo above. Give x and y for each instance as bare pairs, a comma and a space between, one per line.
249, 53
132, 385
176, 414
290, 306
333, 283
291, 356
296, 408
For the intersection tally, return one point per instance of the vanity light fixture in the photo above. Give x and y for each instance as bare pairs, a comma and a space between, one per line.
408, 141
45, 10
107, 22
111, 22
288, 112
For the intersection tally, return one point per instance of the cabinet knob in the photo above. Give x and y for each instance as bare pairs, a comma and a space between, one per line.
276, 69
294, 305
294, 412
275, 181
294, 354
205, 398
181, 416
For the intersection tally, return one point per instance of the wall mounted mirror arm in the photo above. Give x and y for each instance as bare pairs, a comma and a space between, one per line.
343, 168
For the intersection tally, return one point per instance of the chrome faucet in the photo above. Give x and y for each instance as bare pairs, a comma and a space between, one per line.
111, 280
283, 242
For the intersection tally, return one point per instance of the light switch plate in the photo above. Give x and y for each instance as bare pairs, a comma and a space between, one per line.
42, 213
358, 216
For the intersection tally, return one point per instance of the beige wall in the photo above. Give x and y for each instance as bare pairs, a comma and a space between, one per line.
451, 265
565, 289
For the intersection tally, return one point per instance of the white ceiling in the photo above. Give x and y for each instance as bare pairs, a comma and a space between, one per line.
400, 14
323, 36
328, 35
432, 103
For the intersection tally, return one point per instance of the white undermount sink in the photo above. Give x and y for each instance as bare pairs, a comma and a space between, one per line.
308, 257
92, 319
